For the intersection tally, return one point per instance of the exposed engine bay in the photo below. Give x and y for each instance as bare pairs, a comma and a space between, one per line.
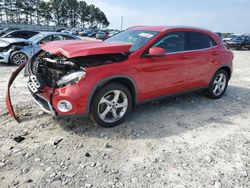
56, 71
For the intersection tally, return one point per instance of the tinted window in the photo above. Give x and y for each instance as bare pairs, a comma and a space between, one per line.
22, 34
46, 39
57, 37
172, 42
16, 34
66, 37
248, 38
199, 41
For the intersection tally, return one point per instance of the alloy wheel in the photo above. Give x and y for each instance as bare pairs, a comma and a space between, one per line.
219, 84
113, 106
19, 59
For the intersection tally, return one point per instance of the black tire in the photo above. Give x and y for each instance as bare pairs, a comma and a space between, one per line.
210, 93
22, 58
96, 105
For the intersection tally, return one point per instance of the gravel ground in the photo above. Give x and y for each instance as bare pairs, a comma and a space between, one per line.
188, 141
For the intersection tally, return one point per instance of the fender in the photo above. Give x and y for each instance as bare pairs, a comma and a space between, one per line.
105, 80
7, 98
220, 67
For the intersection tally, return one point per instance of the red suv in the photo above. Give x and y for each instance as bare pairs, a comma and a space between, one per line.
105, 79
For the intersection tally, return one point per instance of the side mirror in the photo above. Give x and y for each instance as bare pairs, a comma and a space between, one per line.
156, 52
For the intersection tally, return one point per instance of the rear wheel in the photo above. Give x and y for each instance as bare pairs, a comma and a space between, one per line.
18, 58
111, 105
218, 85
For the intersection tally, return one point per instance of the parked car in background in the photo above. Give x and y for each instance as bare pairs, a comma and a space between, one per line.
85, 33
7, 30
239, 42
75, 31
65, 31
92, 34
20, 34
112, 33
229, 38
105, 79
219, 34
17, 51
101, 35
60, 30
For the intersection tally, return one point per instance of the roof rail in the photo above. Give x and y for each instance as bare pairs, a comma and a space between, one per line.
185, 27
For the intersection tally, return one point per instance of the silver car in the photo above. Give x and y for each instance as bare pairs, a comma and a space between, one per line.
18, 51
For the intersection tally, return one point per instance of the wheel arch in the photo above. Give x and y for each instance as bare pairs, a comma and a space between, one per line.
227, 68
16, 51
122, 79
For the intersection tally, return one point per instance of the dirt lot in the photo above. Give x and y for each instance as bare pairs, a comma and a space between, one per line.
189, 141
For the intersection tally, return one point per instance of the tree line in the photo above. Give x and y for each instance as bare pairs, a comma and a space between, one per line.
64, 13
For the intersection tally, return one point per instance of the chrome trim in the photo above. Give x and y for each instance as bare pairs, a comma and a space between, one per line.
192, 50
67, 102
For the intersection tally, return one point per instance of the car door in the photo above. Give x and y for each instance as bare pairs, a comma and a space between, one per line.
203, 56
32, 49
167, 74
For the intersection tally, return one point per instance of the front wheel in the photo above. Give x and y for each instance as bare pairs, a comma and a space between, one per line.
18, 58
111, 105
218, 85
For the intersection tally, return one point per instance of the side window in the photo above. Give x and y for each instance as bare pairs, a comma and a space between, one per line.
45, 40
20, 34
57, 37
172, 42
248, 38
199, 41
66, 37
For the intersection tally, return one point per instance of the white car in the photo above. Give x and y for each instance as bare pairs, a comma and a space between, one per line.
18, 51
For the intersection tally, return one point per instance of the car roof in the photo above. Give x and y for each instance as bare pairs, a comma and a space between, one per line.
54, 33
164, 28
23, 30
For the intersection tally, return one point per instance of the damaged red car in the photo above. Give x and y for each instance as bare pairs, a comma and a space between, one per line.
105, 79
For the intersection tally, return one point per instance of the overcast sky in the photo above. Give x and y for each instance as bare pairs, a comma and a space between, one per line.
216, 15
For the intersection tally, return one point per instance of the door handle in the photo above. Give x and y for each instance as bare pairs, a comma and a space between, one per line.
183, 57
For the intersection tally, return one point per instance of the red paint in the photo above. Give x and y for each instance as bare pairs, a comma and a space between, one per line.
156, 52
76, 48
153, 76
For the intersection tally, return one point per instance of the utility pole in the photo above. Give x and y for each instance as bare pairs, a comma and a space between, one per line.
122, 23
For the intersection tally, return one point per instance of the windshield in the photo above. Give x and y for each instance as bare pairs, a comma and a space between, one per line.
238, 38
137, 38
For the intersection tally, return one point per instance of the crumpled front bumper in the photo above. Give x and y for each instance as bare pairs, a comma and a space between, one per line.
7, 99
41, 99
47, 98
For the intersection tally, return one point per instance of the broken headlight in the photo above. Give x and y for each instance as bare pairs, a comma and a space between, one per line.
72, 78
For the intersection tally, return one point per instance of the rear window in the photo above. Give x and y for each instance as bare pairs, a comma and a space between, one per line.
199, 41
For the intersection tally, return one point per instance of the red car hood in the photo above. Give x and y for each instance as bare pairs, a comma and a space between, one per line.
76, 48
